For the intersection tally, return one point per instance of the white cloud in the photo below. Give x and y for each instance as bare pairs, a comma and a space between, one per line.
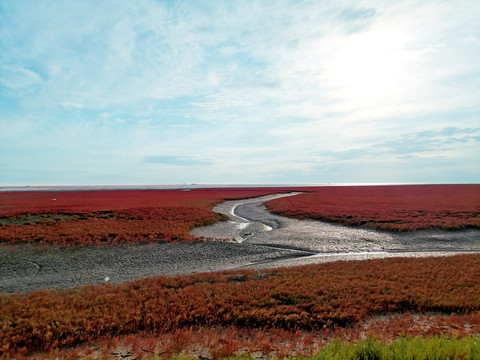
72, 105
151, 51
265, 83
18, 77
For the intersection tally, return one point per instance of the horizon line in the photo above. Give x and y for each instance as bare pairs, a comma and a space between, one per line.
184, 186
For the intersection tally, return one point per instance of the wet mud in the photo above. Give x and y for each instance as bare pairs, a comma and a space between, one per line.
252, 238
251, 223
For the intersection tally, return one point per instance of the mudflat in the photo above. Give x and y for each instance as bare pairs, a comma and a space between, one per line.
252, 238
251, 223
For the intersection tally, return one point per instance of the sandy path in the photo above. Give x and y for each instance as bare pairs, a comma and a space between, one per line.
263, 240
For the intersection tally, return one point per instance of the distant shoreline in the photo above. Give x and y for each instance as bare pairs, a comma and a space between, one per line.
12, 188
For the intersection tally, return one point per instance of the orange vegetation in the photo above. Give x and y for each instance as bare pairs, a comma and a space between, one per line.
310, 298
406, 207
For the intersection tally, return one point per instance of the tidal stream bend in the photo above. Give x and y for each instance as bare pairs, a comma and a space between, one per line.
251, 223
262, 240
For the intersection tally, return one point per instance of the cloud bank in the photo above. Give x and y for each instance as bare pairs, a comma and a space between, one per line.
163, 92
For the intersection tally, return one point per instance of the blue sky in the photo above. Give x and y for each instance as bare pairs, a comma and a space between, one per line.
239, 92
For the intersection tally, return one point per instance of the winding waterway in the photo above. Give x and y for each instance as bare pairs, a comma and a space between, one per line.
251, 223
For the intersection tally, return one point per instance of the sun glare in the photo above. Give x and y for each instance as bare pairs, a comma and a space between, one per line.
369, 66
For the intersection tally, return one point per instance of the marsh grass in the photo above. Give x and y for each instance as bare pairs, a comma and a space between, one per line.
221, 347
341, 296
418, 348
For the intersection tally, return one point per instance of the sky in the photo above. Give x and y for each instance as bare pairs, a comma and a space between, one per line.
119, 92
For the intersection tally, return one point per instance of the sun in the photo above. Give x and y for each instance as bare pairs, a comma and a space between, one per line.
369, 66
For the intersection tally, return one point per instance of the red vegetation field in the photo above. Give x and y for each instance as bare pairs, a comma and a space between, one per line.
397, 208
117, 216
318, 299
92, 217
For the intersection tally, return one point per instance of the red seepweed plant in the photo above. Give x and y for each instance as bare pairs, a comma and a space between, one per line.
330, 298
115, 216
92, 217
398, 208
